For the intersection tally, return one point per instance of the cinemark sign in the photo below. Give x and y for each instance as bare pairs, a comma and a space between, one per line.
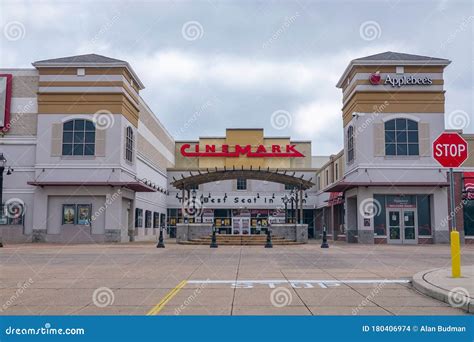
273, 151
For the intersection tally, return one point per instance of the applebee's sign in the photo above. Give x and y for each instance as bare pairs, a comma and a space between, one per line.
400, 80
260, 151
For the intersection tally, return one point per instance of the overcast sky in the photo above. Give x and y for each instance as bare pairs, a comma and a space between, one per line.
211, 65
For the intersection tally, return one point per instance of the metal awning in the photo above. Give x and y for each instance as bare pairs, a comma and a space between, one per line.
135, 185
344, 186
201, 177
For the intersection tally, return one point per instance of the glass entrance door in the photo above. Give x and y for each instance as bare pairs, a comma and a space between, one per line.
402, 226
241, 225
410, 230
394, 234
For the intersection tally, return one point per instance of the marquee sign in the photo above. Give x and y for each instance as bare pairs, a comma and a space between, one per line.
274, 151
399, 80
5, 101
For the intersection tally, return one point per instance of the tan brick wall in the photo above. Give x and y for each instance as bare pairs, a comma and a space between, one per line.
151, 123
25, 86
23, 124
152, 154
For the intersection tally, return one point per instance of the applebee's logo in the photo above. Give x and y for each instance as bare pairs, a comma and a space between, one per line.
399, 81
375, 78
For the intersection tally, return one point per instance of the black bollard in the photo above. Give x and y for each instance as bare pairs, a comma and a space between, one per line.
324, 244
269, 243
214, 239
161, 243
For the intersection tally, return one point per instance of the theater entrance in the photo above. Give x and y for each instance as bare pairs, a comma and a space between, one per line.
241, 226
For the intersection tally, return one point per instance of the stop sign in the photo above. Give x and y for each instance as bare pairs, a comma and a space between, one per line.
450, 149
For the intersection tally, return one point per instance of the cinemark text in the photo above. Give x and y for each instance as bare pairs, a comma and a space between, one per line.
260, 151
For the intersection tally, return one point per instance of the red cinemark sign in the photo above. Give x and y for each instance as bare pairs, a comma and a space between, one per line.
450, 149
275, 151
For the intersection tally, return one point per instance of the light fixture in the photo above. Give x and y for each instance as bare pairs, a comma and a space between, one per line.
3, 161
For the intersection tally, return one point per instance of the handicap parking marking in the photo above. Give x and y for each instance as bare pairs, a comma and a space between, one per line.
298, 284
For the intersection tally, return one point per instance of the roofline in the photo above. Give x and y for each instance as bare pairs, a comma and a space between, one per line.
402, 62
91, 65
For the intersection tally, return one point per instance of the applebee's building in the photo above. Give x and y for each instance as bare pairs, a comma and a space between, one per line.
89, 161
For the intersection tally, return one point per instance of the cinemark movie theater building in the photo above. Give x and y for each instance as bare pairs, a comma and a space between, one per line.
89, 161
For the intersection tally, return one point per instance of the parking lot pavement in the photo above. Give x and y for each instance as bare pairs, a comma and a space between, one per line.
138, 279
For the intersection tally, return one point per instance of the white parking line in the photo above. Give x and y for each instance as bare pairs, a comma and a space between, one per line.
297, 284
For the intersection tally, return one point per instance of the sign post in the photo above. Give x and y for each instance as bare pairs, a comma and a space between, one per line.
450, 150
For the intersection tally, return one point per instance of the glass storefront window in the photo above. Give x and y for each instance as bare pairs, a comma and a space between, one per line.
380, 219
469, 218
424, 214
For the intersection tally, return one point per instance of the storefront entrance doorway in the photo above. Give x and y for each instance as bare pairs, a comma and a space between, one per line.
402, 226
241, 226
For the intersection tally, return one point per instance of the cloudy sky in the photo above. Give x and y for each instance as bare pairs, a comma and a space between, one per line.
210, 65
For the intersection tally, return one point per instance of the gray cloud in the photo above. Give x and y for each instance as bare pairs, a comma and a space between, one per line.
251, 58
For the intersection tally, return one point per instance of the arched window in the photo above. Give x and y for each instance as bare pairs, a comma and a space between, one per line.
129, 145
78, 138
350, 144
401, 137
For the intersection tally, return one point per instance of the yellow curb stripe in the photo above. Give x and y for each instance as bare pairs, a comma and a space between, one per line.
158, 307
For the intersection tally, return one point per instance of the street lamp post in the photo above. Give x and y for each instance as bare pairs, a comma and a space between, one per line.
3, 163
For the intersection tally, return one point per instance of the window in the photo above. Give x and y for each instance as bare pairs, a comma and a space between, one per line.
289, 187
401, 137
129, 145
241, 184
336, 171
78, 138
13, 215
156, 220
319, 182
424, 214
327, 177
147, 219
350, 144
138, 218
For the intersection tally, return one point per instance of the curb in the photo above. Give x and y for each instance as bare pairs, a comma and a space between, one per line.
420, 284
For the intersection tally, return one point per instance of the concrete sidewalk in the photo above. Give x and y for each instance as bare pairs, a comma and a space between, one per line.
438, 283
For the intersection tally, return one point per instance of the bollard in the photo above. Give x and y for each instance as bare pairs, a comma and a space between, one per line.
161, 243
324, 243
455, 255
214, 239
269, 243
